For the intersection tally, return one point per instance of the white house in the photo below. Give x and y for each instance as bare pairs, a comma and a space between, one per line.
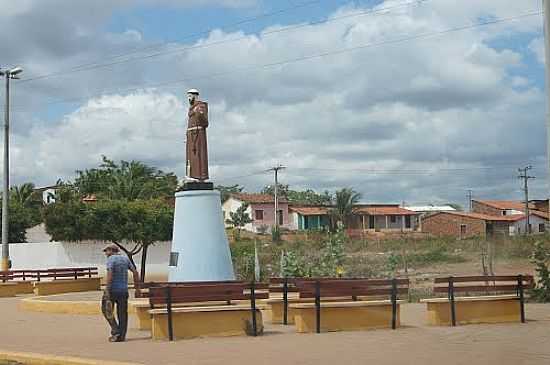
261, 209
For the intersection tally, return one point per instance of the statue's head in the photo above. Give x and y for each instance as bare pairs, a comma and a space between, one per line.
192, 96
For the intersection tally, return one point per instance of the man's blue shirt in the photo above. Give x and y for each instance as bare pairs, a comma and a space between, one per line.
119, 265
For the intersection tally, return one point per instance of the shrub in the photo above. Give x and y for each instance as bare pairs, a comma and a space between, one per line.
540, 258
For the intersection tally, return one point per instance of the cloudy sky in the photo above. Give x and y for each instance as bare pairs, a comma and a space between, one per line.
402, 100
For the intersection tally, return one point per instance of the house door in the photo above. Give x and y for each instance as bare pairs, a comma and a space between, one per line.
280, 217
306, 222
407, 221
490, 229
371, 222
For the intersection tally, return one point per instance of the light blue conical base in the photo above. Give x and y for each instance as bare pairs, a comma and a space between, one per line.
199, 239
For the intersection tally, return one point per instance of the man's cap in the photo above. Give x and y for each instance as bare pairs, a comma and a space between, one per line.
111, 247
193, 91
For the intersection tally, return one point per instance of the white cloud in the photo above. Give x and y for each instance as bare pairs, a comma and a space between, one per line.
450, 101
537, 47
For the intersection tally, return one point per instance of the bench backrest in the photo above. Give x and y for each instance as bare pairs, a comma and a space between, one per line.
504, 284
336, 288
277, 285
56, 273
192, 293
162, 284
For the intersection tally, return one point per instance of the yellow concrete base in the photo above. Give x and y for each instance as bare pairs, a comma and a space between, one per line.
206, 321
42, 304
8, 289
66, 286
277, 311
474, 310
39, 359
342, 317
25, 287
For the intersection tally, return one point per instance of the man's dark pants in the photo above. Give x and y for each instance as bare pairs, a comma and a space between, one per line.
120, 301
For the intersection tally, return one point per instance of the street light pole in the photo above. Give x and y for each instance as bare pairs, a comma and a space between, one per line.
547, 54
5, 193
6, 263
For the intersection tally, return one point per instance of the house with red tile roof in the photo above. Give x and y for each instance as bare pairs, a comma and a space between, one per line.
261, 209
309, 217
383, 218
466, 225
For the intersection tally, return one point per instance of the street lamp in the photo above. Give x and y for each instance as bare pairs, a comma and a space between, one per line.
8, 74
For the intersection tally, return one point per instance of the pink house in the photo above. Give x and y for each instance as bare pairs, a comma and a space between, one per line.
261, 209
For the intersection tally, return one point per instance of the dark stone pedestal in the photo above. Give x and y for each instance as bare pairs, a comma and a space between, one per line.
197, 185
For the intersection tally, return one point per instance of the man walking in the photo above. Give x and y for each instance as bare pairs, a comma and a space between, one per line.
116, 292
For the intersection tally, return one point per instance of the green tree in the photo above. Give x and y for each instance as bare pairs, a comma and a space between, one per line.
140, 222
239, 219
309, 197
226, 191
125, 181
19, 220
27, 198
344, 201
541, 258
282, 190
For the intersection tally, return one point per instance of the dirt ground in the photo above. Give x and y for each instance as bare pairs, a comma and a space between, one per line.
414, 343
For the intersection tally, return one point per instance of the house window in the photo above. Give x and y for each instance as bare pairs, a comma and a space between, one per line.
259, 214
393, 218
280, 217
542, 227
408, 221
462, 230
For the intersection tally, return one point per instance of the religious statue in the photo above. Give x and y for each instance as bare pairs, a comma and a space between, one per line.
197, 152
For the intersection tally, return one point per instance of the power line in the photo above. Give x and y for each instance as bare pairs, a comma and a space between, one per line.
304, 58
91, 65
179, 50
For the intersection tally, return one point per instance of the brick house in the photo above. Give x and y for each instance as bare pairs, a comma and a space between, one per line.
498, 207
466, 225
261, 209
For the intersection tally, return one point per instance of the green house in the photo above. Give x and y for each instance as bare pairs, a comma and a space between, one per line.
309, 217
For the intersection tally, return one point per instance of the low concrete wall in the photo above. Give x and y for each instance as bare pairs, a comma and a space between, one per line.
69, 254
8, 290
66, 286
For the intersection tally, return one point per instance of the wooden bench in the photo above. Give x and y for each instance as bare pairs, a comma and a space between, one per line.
344, 304
142, 308
22, 279
206, 320
53, 281
496, 299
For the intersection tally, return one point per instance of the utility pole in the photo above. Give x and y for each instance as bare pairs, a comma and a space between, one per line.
470, 192
546, 4
6, 263
523, 174
276, 170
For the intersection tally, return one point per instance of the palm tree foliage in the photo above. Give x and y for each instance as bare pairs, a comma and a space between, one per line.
344, 201
130, 181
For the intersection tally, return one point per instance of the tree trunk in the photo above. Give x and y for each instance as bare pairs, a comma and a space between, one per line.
128, 253
143, 262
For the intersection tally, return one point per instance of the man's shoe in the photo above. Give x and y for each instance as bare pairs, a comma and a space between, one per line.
114, 338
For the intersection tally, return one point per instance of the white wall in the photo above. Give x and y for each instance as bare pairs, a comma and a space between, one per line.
231, 205
56, 254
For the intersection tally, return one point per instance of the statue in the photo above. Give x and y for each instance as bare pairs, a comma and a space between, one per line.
196, 151
200, 249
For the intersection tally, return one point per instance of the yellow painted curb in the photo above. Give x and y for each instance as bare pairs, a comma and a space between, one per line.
40, 359
83, 307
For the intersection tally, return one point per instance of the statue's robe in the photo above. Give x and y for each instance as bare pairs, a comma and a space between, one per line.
197, 152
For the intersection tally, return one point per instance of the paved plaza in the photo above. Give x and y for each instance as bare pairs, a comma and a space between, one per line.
414, 343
